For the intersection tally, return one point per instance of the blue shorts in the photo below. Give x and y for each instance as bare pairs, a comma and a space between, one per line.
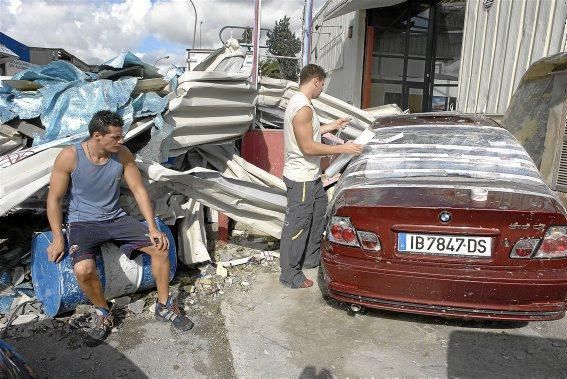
85, 237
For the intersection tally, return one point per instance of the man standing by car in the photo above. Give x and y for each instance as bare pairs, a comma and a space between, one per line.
90, 173
306, 198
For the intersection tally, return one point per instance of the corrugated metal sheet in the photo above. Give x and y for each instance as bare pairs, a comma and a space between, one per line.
500, 44
341, 57
561, 183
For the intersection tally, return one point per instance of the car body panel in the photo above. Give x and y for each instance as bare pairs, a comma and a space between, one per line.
442, 289
403, 187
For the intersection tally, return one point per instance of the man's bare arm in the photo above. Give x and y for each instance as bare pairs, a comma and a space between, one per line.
58, 185
336, 125
303, 130
136, 184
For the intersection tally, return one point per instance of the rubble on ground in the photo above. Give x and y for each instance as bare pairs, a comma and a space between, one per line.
198, 289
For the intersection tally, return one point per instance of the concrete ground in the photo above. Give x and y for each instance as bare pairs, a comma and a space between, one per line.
265, 330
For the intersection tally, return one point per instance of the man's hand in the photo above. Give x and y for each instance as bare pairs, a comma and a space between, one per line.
159, 239
56, 249
351, 148
340, 123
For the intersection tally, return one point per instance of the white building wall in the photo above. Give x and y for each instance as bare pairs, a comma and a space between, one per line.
15, 66
500, 44
340, 56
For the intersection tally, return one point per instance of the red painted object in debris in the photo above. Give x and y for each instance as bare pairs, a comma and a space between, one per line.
432, 241
265, 149
223, 232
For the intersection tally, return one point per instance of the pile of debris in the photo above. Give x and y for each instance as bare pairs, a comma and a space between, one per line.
181, 126
16, 289
47, 103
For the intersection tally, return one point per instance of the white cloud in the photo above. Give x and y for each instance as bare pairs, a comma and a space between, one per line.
96, 31
171, 21
89, 30
131, 14
14, 6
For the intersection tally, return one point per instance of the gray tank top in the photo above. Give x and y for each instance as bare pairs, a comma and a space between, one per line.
94, 189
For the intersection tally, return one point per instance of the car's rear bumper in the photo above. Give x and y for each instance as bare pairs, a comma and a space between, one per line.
448, 292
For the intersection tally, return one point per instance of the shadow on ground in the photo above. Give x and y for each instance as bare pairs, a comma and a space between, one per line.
310, 372
54, 347
478, 354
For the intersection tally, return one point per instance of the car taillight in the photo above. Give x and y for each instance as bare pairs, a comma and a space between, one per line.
337, 231
554, 244
369, 241
524, 248
342, 231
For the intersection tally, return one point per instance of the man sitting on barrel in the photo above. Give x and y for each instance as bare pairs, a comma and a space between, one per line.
90, 172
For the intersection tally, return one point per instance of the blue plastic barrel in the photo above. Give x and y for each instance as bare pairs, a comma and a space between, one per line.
57, 288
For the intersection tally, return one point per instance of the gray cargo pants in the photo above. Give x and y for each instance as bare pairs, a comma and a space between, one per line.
302, 230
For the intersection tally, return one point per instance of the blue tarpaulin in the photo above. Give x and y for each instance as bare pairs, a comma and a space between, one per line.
128, 59
158, 147
57, 71
15, 103
6, 105
147, 104
70, 106
172, 75
70, 97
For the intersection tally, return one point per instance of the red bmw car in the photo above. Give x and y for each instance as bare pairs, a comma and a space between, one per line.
449, 216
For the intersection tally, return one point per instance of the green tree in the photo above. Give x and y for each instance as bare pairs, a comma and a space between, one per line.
270, 68
246, 36
283, 42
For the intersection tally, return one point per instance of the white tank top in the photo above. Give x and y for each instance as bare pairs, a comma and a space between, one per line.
298, 167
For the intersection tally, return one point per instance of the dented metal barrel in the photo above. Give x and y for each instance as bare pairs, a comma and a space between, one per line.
57, 288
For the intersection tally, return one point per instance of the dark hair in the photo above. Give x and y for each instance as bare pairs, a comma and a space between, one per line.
103, 120
311, 71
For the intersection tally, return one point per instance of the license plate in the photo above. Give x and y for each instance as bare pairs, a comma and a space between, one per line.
444, 245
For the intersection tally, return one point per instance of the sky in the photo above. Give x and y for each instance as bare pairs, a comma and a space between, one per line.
96, 30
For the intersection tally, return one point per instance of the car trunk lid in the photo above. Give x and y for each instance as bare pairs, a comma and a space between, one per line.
504, 218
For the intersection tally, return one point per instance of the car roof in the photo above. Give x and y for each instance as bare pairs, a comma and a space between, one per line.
445, 155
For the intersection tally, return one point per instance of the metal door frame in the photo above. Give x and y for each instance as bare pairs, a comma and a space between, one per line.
429, 71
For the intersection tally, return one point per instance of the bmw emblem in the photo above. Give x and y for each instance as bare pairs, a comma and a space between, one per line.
444, 217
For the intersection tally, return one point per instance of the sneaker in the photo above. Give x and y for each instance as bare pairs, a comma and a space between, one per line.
102, 323
171, 312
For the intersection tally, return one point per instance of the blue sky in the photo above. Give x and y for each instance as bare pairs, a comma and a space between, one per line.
152, 43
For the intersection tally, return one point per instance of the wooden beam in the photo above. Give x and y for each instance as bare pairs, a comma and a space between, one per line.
22, 127
8, 131
29, 130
